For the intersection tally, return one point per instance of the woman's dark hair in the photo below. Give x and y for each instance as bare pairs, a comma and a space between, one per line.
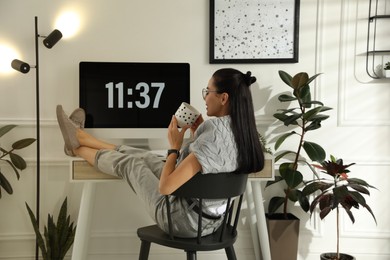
236, 84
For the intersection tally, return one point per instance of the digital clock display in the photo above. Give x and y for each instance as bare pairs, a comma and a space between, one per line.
132, 95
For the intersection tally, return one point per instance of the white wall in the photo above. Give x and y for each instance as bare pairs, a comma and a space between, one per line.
332, 41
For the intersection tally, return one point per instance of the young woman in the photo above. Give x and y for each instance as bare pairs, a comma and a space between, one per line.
226, 142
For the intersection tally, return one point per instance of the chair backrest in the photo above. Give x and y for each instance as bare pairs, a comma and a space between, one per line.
213, 186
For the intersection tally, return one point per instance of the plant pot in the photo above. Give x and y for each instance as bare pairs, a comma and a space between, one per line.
387, 73
333, 256
283, 236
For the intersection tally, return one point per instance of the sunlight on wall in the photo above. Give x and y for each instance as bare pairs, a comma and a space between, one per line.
7, 54
68, 23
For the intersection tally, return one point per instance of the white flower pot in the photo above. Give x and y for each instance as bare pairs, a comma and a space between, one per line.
387, 73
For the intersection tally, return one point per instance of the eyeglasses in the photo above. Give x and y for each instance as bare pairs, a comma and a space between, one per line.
205, 92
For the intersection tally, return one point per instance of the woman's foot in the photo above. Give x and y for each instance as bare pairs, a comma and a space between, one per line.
69, 129
78, 118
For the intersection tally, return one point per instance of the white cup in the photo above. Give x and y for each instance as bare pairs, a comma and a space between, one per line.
186, 115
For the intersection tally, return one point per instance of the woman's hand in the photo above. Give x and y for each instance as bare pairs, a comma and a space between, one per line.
196, 124
176, 136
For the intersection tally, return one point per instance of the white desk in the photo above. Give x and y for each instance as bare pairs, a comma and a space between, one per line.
81, 171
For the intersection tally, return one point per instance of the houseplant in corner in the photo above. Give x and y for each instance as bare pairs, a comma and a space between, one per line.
340, 191
306, 115
8, 156
58, 237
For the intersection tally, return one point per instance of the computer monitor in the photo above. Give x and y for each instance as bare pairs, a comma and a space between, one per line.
132, 99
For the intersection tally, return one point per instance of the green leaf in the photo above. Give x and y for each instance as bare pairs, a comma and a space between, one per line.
276, 180
358, 197
291, 120
319, 117
63, 223
315, 186
303, 201
311, 113
23, 143
282, 138
14, 168
286, 111
5, 184
313, 78
313, 102
305, 96
359, 182
299, 80
48, 241
39, 237
282, 154
280, 116
18, 161
274, 204
359, 188
311, 167
314, 151
6, 129
313, 125
285, 77
292, 194
59, 237
292, 177
286, 98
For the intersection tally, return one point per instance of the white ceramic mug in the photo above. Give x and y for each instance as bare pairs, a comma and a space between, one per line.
186, 115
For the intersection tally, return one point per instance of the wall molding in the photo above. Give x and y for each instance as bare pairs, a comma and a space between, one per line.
348, 33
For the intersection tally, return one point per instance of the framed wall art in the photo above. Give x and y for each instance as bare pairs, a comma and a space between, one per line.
254, 31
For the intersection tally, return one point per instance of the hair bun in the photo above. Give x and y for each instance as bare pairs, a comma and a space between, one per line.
249, 80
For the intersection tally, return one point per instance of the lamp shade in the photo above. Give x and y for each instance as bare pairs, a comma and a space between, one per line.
20, 66
52, 38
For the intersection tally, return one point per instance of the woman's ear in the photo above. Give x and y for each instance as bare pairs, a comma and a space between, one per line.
225, 98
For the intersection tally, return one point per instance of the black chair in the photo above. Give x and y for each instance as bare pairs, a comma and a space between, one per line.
202, 186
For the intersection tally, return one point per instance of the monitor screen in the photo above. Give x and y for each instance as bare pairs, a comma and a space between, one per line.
132, 94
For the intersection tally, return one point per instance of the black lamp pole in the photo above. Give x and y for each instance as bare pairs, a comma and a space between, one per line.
24, 67
38, 133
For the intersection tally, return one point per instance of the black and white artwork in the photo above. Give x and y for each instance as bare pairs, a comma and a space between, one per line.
254, 31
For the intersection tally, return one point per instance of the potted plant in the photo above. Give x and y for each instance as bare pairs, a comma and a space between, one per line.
306, 116
387, 69
338, 192
58, 237
8, 156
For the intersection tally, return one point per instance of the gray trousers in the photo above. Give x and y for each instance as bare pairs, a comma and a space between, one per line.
142, 170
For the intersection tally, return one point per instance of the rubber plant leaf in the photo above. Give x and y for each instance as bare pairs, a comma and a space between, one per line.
292, 177
274, 204
314, 151
286, 78
299, 80
282, 138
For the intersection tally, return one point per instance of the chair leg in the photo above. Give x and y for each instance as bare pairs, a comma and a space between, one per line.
230, 253
191, 255
144, 250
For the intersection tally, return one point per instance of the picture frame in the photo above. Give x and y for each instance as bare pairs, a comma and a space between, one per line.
254, 31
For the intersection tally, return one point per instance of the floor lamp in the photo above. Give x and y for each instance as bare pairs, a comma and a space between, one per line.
23, 67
